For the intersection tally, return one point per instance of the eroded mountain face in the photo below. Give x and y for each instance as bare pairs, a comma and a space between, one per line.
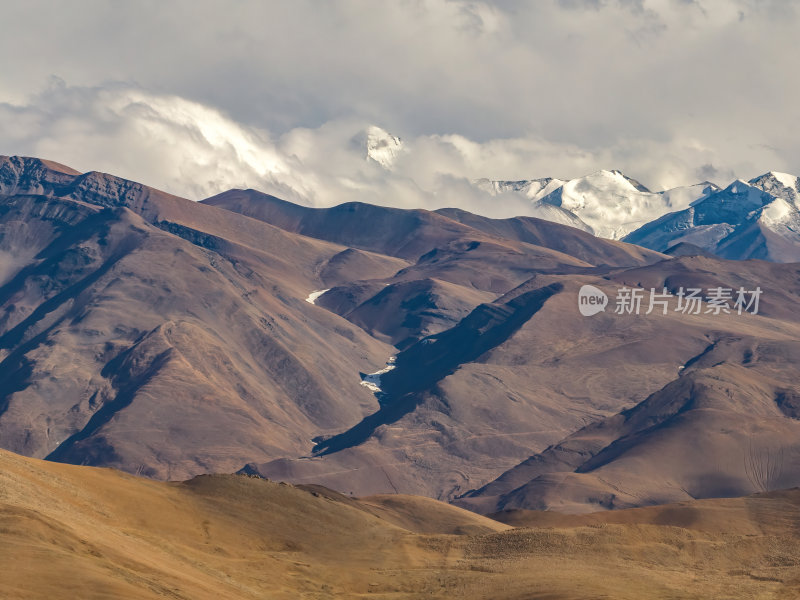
170, 338
461, 401
161, 336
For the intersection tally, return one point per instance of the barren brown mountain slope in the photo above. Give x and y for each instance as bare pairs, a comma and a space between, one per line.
170, 338
82, 532
725, 424
520, 372
151, 341
166, 337
411, 233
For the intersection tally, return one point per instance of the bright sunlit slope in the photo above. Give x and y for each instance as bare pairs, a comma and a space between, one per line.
81, 532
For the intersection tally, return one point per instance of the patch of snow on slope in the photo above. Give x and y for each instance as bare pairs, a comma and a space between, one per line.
373, 381
777, 212
312, 297
555, 214
537, 192
682, 197
707, 236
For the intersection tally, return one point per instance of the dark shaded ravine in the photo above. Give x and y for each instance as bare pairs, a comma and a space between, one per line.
422, 366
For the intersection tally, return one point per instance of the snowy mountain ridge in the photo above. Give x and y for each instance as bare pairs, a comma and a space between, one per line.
608, 202
759, 218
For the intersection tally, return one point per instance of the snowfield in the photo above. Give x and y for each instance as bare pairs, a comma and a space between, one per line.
373, 381
312, 297
605, 203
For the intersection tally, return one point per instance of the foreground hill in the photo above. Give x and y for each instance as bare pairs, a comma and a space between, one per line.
82, 532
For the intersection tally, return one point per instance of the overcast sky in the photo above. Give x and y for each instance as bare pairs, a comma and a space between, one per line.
197, 97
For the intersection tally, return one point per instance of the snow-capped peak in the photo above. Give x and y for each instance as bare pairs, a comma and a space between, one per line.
607, 202
787, 180
616, 178
740, 200
739, 186
780, 211
614, 204
382, 146
780, 185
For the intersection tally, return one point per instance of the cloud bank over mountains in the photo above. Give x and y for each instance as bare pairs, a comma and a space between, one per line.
196, 98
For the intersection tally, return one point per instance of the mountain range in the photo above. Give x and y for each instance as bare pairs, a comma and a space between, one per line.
754, 219
606, 203
759, 218
382, 350
747, 219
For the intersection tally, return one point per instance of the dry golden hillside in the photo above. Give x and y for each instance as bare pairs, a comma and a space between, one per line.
82, 532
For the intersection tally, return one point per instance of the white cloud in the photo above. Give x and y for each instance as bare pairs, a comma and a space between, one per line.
196, 151
274, 95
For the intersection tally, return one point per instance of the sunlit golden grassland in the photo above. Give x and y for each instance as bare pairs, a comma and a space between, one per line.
80, 532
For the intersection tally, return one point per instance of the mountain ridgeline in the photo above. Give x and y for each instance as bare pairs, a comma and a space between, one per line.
380, 350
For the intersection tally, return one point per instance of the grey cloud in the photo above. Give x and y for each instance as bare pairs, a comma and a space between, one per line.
195, 150
709, 172
581, 4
